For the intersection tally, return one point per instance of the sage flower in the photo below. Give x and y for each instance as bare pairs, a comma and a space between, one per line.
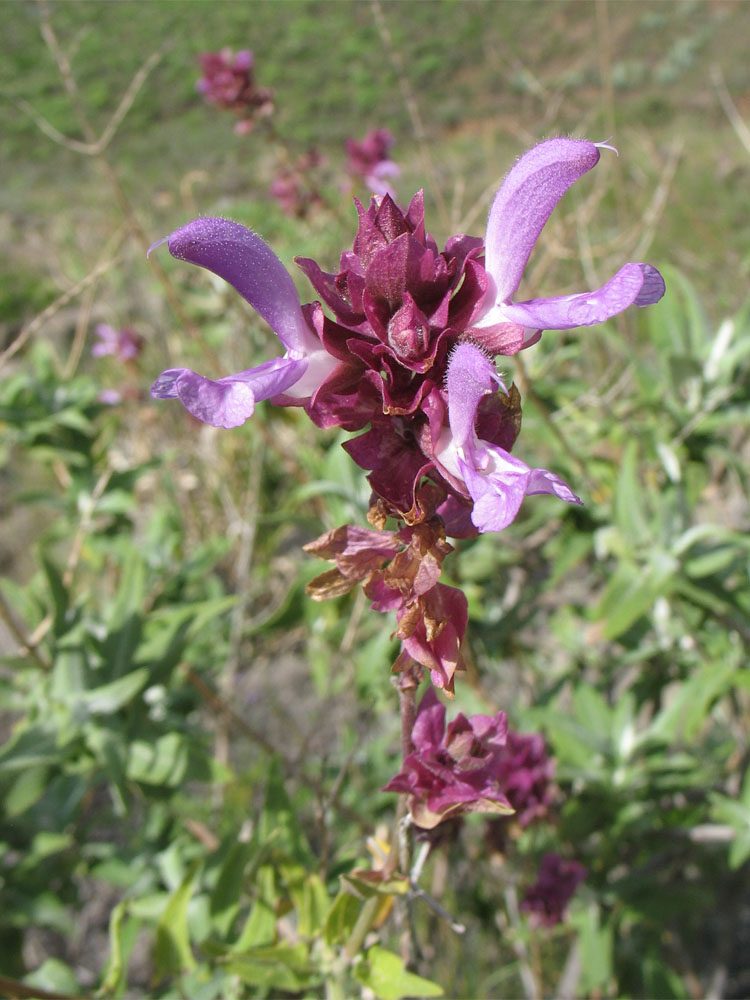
124, 343
455, 770
405, 356
370, 160
228, 83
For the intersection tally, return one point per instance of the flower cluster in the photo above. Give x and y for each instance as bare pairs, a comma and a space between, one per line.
403, 356
228, 83
455, 770
407, 356
125, 345
370, 160
547, 899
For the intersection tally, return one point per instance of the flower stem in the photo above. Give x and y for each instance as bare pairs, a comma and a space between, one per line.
408, 706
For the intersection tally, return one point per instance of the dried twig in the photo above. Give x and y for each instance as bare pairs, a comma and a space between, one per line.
16, 630
54, 307
730, 108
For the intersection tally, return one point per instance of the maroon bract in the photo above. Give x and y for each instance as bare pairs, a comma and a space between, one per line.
399, 571
547, 899
452, 771
228, 83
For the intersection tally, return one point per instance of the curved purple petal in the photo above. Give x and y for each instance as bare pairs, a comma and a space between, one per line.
228, 402
634, 284
525, 201
242, 259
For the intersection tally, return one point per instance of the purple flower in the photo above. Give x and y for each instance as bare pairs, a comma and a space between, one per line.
125, 343
519, 212
406, 358
228, 83
452, 771
241, 258
525, 774
556, 882
109, 397
370, 160
496, 481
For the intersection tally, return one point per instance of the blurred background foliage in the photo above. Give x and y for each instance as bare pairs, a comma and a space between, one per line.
192, 751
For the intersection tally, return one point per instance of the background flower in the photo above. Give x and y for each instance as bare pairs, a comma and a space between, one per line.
369, 159
547, 899
228, 83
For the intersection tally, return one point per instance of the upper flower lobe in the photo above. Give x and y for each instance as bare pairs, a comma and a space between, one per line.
242, 259
519, 212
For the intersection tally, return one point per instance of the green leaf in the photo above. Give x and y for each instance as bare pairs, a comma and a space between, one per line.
25, 790
312, 904
31, 747
342, 917
688, 707
279, 820
629, 511
260, 926
60, 601
595, 949
735, 813
164, 762
632, 591
172, 952
385, 974
122, 935
281, 966
54, 976
229, 886
108, 698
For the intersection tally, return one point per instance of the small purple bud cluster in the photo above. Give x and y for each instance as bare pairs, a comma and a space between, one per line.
227, 82
370, 160
125, 345
547, 899
526, 773
455, 770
